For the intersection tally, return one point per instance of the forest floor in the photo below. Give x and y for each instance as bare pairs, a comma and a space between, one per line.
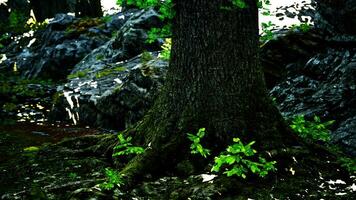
75, 167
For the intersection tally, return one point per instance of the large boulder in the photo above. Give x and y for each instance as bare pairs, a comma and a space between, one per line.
325, 86
53, 52
114, 85
287, 49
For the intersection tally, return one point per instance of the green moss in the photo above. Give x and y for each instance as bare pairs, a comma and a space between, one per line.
78, 74
146, 56
56, 97
9, 107
99, 57
107, 72
31, 149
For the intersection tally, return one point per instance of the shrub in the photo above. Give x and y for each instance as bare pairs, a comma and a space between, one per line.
113, 179
196, 147
236, 162
312, 130
125, 147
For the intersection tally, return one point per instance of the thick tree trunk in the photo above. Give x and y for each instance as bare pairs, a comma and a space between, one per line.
88, 8
49, 8
214, 81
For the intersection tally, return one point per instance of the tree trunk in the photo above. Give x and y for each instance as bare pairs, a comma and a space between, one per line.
88, 8
49, 8
214, 81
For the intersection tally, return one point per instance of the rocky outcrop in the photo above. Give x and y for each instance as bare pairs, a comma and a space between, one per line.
115, 84
53, 52
325, 86
337, 16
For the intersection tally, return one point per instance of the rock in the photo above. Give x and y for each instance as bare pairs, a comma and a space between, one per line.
132, 37
113, 86
288, 48
325, 86
53, 52
110, 95
336, 16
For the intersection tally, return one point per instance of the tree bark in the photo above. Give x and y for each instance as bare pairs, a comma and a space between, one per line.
214, 81
88, 8
49, 8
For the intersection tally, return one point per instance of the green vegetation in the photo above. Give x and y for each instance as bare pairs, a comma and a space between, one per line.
312, 130
99, 57
17, 21
72, 175
107, 72
196, 147
304, 27
236, 162
113, 179
78, 74
348, 163
3, 37
166, 49
31, 149
9, 107
125, 147
267, 31
35, 25
16, 86
146, 56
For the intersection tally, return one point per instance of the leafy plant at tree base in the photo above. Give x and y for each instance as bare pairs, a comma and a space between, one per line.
126, 148
113, 179
312, 130
196, 147
237, 161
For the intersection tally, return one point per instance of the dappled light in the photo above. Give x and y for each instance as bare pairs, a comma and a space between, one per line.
177, 99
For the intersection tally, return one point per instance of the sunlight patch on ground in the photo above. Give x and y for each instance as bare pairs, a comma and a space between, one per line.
208, 177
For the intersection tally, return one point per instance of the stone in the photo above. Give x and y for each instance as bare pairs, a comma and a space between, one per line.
337, 16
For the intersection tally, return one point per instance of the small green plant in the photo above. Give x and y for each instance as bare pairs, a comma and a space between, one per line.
348, 163
17, 21
9, 107
3, 37
113, 179
35, 25
31, 149
267, 31
236, 161
146, 56
304, 27
72, 175
166, 49
196, 147
312, 130
125, 147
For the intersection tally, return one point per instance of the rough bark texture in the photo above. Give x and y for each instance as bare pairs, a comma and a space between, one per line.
214, 81
90, 8
49, 8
